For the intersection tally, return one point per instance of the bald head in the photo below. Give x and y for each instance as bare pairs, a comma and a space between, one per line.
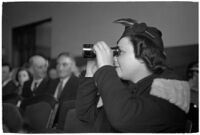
38, 65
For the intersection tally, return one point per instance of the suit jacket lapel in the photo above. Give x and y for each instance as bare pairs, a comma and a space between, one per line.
42, 86
68, 88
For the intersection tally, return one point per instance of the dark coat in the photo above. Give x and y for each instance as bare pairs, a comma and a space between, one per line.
68, 94
127, 107
10, 93
27, 93
9, 88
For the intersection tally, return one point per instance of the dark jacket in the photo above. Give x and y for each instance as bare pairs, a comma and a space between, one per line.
10, 93
69, 90
27, 93
127, 107
68, 95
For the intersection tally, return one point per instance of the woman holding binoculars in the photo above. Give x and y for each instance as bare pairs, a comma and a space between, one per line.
133, 91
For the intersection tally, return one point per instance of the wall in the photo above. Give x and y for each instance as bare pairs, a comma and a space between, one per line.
76, 23
43, 39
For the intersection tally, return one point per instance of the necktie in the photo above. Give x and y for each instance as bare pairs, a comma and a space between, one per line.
59, 90
35, 86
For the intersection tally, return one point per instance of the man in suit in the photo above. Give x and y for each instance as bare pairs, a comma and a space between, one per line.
64, 88
9, 88
39, 83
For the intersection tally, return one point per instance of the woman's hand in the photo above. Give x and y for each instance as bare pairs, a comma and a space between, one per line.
104, 54
91, 68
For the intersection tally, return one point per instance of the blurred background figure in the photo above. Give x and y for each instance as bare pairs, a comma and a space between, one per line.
52, 73
22, 76
193, 79
13, 74
76, 71
6, 69
39, 83
64, 88
9, 88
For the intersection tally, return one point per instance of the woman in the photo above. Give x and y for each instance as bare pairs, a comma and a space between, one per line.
139, 93
22, 76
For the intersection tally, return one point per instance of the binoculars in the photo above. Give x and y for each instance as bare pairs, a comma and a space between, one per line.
88, 51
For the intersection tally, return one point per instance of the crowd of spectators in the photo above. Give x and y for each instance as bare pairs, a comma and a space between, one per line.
131, 90
22, 86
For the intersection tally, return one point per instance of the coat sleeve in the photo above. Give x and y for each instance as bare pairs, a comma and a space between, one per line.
125, 111
86, 101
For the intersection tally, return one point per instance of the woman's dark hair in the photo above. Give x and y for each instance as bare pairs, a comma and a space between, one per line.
149, 52
23, 69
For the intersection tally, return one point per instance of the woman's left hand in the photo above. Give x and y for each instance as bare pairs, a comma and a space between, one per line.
104, 54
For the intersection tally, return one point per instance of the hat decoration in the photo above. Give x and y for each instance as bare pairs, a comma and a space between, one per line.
132, 27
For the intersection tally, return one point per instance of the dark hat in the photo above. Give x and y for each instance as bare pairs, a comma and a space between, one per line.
133, 28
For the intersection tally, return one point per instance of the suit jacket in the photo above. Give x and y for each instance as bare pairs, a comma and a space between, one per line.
69, 90
27, 93
68, 94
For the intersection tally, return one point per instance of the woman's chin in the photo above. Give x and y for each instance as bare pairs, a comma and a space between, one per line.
118, 72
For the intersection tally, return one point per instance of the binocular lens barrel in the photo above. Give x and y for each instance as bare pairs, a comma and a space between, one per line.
88, 51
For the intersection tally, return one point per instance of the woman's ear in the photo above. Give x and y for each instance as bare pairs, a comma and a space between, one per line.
140, 45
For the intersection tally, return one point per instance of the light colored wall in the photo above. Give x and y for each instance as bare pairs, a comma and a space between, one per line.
76, 23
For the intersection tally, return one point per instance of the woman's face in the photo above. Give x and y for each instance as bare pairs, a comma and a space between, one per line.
126, 63
22, 77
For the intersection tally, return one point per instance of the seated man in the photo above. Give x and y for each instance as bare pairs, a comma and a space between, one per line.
64, 88
39, 83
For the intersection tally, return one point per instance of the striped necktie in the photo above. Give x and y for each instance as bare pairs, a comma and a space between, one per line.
59, 90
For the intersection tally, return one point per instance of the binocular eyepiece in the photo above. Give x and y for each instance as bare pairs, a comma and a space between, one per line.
88, 51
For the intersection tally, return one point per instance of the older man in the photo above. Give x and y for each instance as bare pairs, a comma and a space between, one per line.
65, 87
38, 68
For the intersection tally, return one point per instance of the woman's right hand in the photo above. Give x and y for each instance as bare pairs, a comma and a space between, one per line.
91, 67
